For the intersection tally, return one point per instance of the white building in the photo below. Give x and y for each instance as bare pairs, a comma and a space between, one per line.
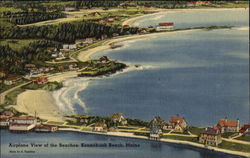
70, 46
22, 123
166, 26
4, 121
24, 120
20, 127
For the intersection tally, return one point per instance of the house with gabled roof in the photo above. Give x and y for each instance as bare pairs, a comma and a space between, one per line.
100, 127
226, 125
245, 130
12, 79
210, 137
156, 128
178, 123
119, 118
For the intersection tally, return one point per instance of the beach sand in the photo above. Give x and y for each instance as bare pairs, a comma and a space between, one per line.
41, 102
86, 55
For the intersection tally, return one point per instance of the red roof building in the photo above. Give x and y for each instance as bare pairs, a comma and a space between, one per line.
226, 125
245, 128
166, 24
41, 80
178, 123
2, 73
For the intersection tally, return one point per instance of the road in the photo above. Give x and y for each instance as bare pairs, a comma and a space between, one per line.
2, 95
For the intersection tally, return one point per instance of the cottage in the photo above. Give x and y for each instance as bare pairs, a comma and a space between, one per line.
119, 118
70, 8
245, 130
4, 121
7, 113
70, 46
40, 80
226, 125
100, 127
29, 67
104, 36
44, 69
155, 129
89, 40
165, 26
2, 73
203, 3
84, 119
106, 21
191, 4
178, 123
12, 79
73, 66
125, 26
79, 40
46, 128
95, 14
167, 126
104, 59
35, 72
210, 137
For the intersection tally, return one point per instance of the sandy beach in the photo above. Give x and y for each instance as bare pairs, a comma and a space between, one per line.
41, 102
86, 55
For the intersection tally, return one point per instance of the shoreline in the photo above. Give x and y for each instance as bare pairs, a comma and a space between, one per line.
131, 21
86, 55
171, 141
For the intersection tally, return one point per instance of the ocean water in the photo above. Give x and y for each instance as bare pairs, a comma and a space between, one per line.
201, 75
144, 149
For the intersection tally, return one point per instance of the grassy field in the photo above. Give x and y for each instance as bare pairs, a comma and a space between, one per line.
195, 130
11, 98
234, 146
18, 44
229, 134
244, 138
192, 139
9, 9
235, 5
50, 86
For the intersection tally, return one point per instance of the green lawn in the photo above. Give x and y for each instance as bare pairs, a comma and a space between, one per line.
11, 98
244, 138
235, 5
195, 130
229, 134
192, 139
50, 86
234, 146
